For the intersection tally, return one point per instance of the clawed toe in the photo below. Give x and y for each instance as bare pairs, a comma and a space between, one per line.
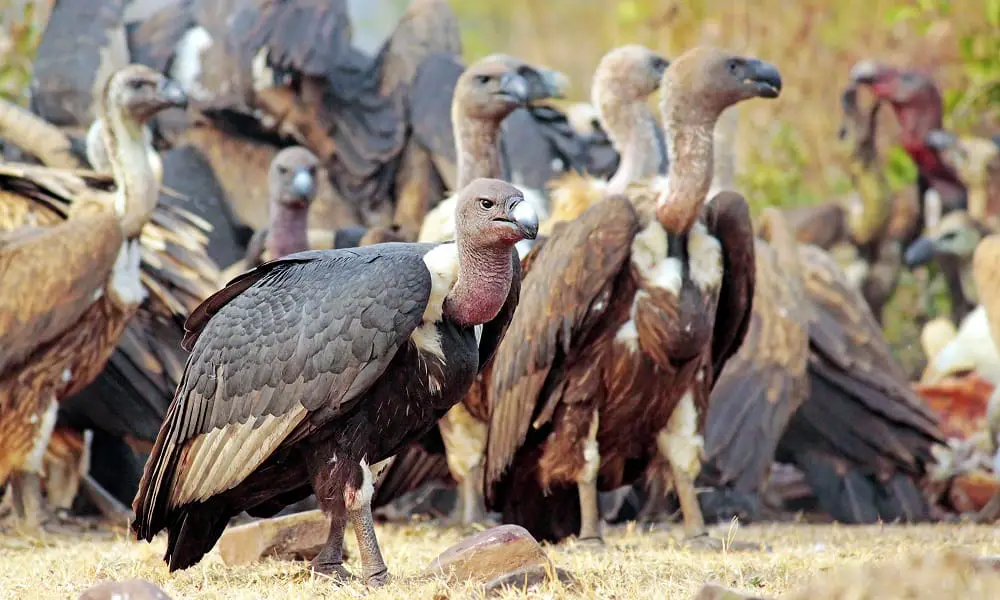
379, 579
335, 571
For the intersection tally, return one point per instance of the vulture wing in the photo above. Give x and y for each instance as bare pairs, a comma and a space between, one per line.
430, 116
306, 334
764, 383
728, 219
564, 295
48, 279
861, 403
83, 43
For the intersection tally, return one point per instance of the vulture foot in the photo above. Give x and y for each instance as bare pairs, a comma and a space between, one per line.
470, 507
330, 560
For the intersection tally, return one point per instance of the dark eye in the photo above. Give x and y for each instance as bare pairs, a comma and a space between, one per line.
312, 171
951, 235
282, 170
486, 203
733, 66
136, 84
483, 79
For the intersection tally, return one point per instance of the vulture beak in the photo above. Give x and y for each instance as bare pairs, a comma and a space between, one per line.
765, 78
170, 93
864, 72
515, 86
303, 185
555, 84
938, 139
919, 253
523, 217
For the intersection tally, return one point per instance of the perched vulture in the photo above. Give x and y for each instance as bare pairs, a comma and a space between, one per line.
310, 370
291, 189
977, 162
815, 385
58, 340
630, 312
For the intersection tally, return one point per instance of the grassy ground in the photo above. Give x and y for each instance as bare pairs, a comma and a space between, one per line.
636, 564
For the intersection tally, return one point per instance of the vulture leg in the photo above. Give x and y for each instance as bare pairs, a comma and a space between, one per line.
330, 560
26, 494
373, 566
464, 439
680, 444
470, 497
590, 511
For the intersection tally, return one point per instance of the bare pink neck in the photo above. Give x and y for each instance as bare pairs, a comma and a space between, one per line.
482, 287
288, 230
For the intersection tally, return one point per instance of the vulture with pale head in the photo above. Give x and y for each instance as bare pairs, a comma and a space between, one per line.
309, 371
61, 320
630, 312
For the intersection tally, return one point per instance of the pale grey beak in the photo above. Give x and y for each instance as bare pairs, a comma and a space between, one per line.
303, 185
526, 219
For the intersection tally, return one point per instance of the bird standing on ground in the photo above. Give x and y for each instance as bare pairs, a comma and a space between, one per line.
310, 370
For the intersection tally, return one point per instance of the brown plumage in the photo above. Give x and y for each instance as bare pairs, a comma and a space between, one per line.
986, 272
626, 322
57, 339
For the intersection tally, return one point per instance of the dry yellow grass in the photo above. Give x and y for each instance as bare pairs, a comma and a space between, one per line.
636, 564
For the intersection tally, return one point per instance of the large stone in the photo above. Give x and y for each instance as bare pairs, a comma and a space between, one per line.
501, 556
294, 537
714, 591
132, 589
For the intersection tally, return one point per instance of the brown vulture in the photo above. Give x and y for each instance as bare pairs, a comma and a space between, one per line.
57, 339
635, 70
310, 370
630, 312
814, 385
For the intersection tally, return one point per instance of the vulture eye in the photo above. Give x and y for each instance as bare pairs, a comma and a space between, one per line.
483, 79
733, 66
282, 170
486, 203
312, 170
136, 84
951, 235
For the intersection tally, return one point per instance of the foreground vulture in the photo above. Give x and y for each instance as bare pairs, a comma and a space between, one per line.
814, 385
61, 322
310, 369
629, 313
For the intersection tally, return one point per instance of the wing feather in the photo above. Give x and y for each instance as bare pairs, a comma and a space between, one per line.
573, 269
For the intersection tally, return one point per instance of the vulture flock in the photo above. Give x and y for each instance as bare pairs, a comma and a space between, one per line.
245, 264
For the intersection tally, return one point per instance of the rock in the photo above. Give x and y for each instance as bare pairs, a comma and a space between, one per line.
714, 591
501, 556
295, 537
132, 589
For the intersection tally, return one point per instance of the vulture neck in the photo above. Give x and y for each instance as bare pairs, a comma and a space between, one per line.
630, 126
137, 188
690, 152
482, 286
478, 150
289, 230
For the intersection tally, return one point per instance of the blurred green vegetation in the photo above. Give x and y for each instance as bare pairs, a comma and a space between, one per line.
19, 34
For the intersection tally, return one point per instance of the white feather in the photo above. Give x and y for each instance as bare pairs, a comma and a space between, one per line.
442, 263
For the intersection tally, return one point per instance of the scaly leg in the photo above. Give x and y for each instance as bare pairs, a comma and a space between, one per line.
470, 496
26, 493
358, 502
330, 560
590, 512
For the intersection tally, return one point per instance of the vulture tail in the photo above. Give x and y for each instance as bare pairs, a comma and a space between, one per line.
193, 532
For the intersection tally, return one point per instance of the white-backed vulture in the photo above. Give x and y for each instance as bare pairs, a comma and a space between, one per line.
630, 311
63, 320
309, 371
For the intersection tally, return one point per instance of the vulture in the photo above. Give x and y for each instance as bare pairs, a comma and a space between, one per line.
986, 272
814, 385
977, 162
630, 311
309, 371
291, 184
636, 72
58, 339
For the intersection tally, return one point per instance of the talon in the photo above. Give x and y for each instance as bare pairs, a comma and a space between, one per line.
379, 579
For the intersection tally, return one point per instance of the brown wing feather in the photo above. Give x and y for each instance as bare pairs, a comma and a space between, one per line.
764, 383
728, 219
40, 298
238, 402
575, 268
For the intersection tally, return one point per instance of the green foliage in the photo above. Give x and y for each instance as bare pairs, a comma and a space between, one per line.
18, 39
777, 179
900, 169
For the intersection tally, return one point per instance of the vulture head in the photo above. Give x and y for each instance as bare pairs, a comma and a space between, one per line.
542, 83
489, 90
956, 235
627, 74
137, 93
292, 178
977, 163
493, 213
696, 88
899, 87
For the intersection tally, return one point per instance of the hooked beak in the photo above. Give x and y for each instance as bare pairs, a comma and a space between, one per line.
919, 253
515, 87
303, 185
523, 217
765, 78
169, 93
555, 84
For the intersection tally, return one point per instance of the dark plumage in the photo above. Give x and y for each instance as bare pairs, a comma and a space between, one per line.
326, 358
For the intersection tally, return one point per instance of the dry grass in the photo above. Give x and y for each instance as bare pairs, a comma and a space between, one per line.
637, 565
